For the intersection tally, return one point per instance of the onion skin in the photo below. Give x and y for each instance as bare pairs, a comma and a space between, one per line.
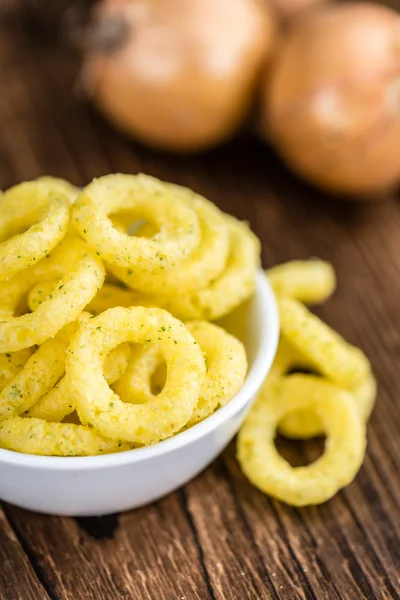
285, 10
331, 105
185, 76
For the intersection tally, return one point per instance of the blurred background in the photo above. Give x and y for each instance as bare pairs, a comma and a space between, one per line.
313, 82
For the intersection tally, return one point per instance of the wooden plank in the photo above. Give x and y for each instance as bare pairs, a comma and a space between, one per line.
149, 554
235, 568
18, 580
296, 545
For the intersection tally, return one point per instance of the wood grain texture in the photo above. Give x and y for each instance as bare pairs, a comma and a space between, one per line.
18, 579
218, 538
135, 555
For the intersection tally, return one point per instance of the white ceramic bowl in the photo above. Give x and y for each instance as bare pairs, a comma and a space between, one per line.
99, 485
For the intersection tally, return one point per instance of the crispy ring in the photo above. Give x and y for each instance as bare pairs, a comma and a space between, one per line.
308, 281
135, 385
232, 287
305, 424
113, 295
143, 197
11, 364
325, 349
61, 185
116, 362
72, 293
45, 210
36, 436
344, 449
57, 404
60, 261
12, 298
39, 374
198, 268
226, 369
364, 392
98, 405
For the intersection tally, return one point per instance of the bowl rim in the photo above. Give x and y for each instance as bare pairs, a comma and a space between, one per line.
269, 337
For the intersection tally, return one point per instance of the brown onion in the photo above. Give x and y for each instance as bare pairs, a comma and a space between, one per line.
287, 9
177, 74
332, 101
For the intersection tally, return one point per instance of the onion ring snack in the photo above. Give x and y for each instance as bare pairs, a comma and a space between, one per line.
145, 198
109, 296
39, 374
197, 268
307, 343
99, 406
362, 386
61, 185
226, 369
56, 404
72, 293
330, 354
135, 385
41, 207
344, 449
308, 281
302, 424
232, 287
37, 436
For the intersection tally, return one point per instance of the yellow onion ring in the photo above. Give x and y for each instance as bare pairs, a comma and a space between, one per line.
72, 293
108, 296
39, 374
308, 281
145, 198
61, 185
11, 364
305, 424
98, 405
325, 349
233, 286
344, 448
199, 267
45, 210
57, 404
226, 369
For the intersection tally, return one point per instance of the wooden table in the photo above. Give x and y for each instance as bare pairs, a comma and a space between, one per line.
218, 537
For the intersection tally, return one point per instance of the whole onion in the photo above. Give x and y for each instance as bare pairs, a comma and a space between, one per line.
285, 10
177, 74
331, 104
